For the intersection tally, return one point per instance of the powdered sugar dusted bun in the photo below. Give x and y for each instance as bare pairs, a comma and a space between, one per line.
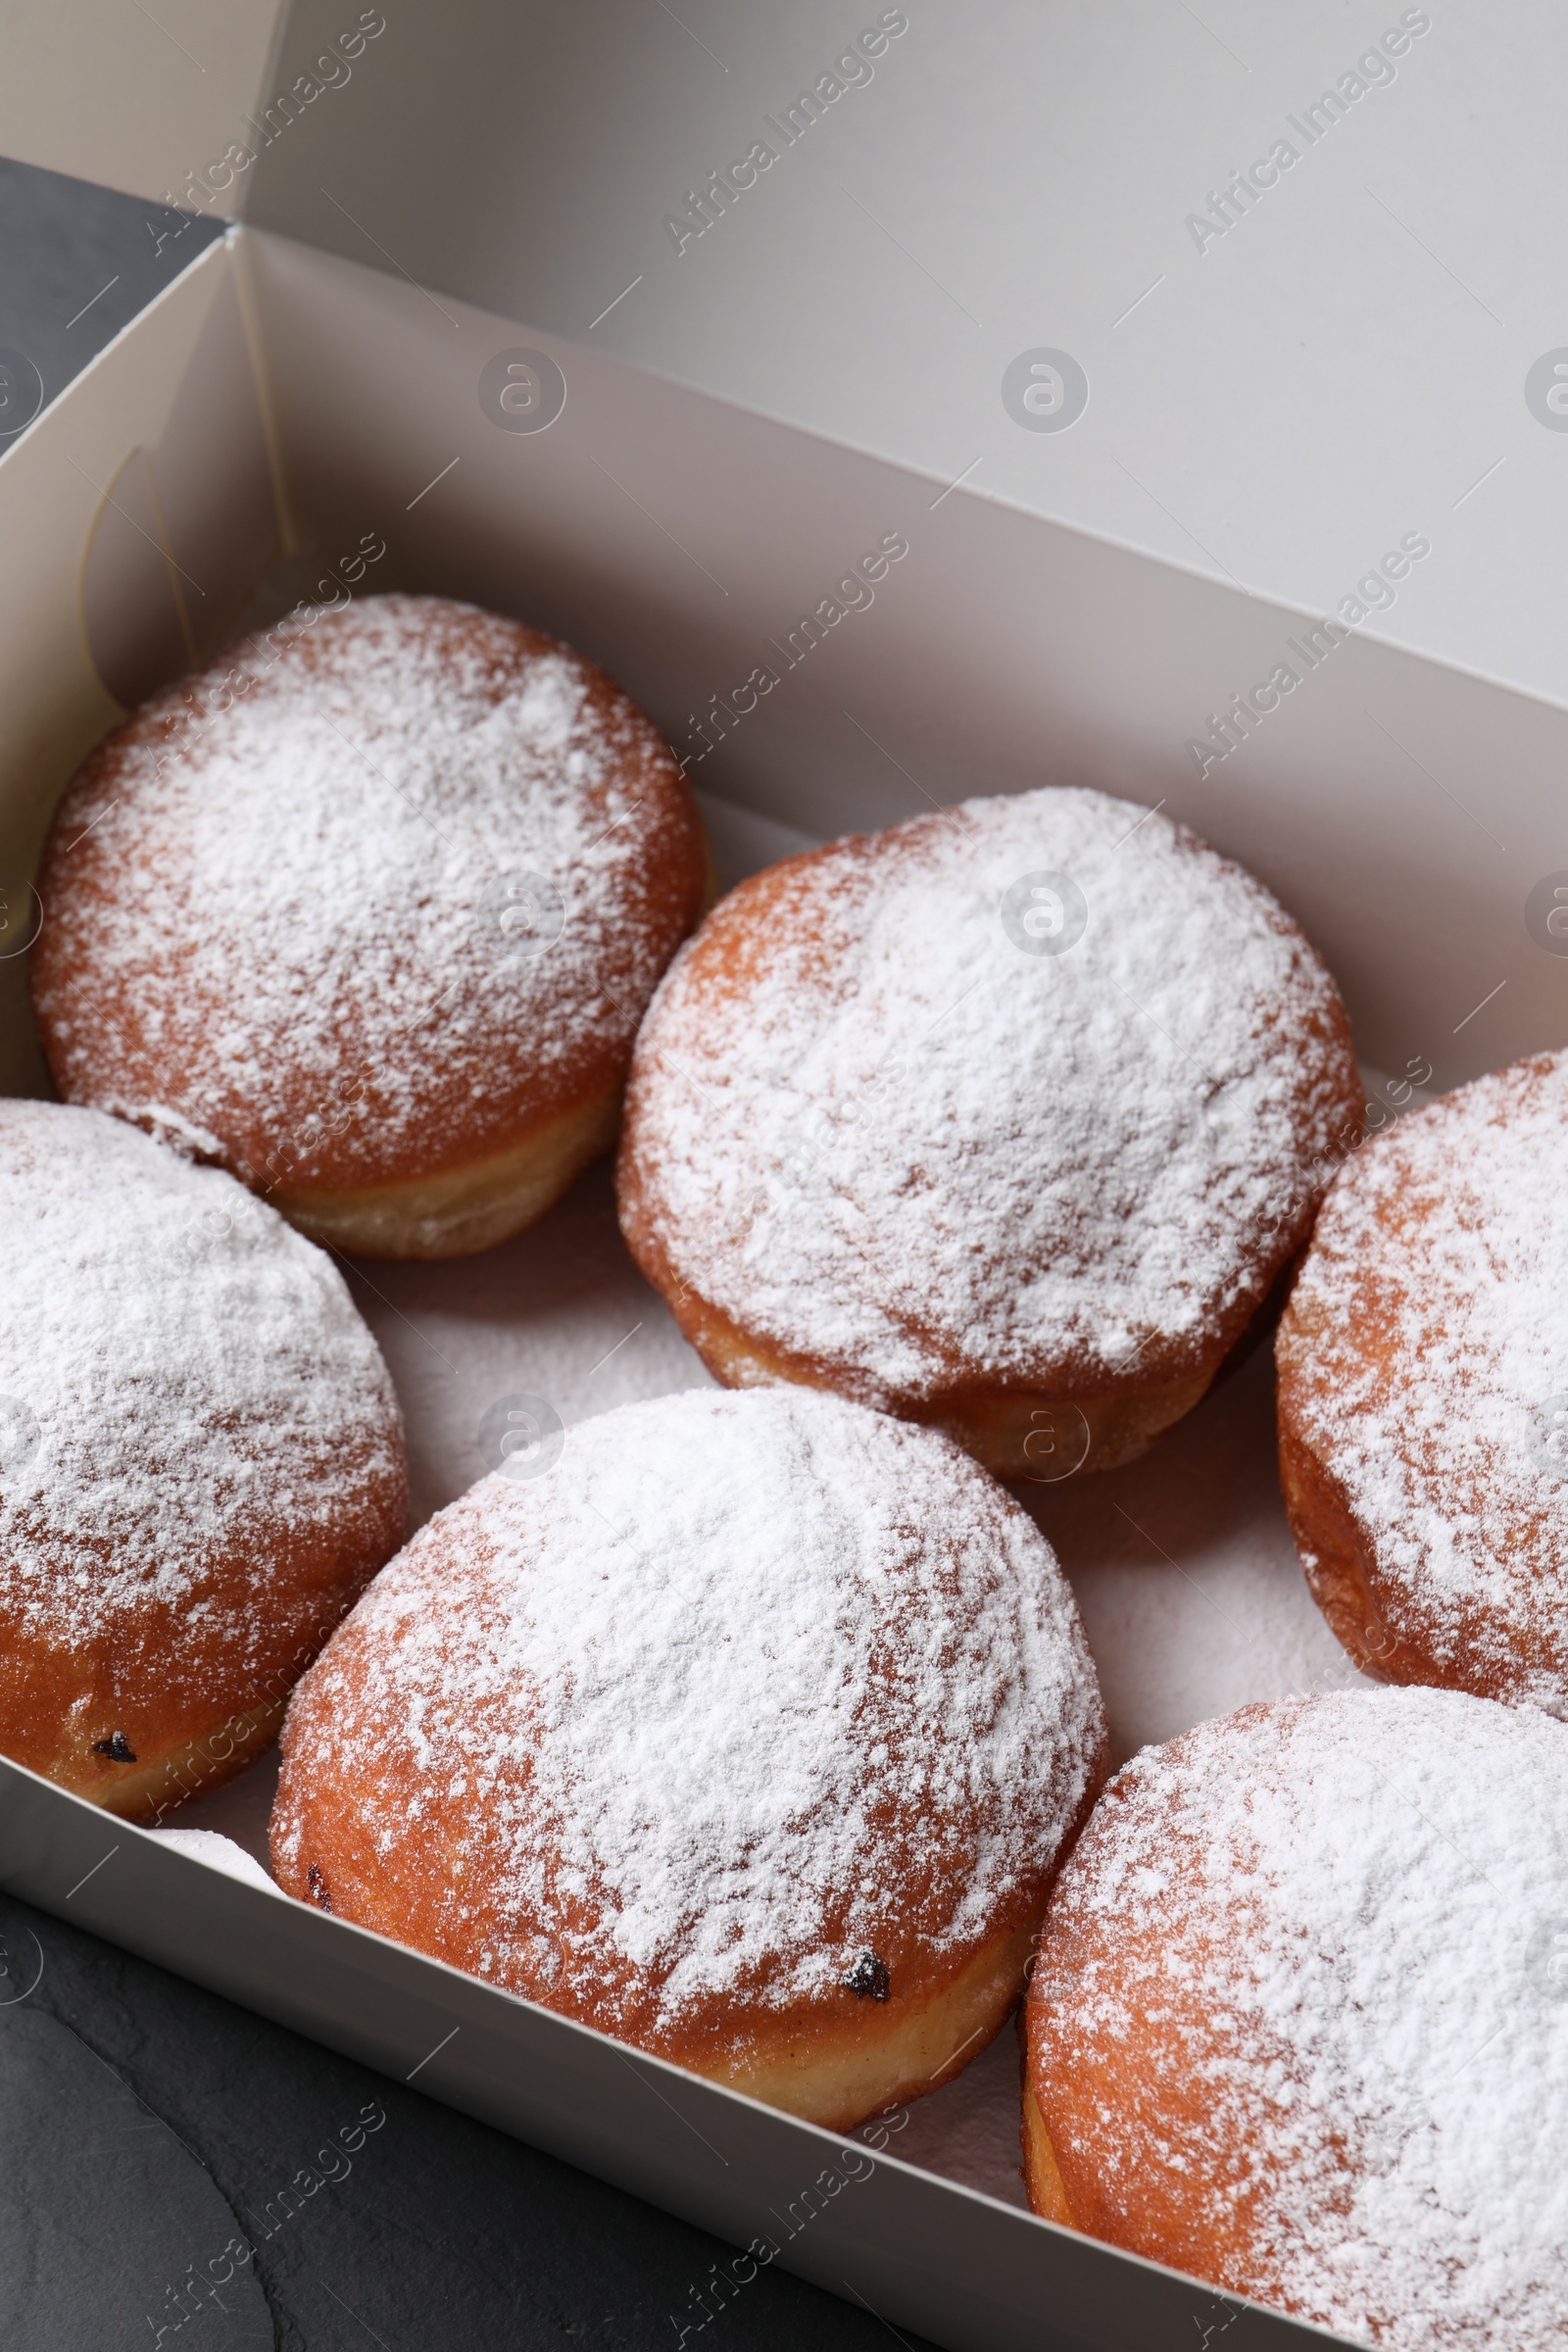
1005, 1119
751, 1734
1423, 1395
201, 1461
368, 912
1298, 2024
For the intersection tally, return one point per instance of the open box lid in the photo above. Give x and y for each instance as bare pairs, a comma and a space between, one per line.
1285, 375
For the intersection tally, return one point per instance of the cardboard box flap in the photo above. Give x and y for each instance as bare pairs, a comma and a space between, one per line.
1195, 286
1284, 333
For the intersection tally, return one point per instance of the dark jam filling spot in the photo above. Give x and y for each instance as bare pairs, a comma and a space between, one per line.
116, 1748
869, 1977
319, 1893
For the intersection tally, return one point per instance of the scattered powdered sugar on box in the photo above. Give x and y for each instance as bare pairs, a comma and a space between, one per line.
219, 1852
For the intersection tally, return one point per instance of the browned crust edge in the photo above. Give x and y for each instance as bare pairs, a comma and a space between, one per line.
1336, 1559
1017, 1433
836, 2069
1041, 2175
460, 1212
159, 1783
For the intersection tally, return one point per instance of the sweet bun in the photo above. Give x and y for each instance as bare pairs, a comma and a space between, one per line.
1297, 2024
751, 1734
201, 1461
1007, 1119
1423, 1395
369, 914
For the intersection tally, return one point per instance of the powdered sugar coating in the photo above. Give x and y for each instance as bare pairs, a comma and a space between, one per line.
277, 928
1426, 1341
199, 1442
1311, 1958
746, 1683
874, 1130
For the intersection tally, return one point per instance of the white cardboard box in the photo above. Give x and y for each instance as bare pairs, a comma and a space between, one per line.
279, 403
